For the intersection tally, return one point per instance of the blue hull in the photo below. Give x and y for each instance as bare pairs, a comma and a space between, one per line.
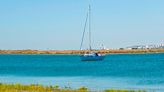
92, 58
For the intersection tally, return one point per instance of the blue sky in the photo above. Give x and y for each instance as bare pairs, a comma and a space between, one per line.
58, 24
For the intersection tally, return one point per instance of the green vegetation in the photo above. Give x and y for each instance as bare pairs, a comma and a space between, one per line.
40, 88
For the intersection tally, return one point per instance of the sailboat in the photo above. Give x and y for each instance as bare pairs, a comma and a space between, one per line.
90, 55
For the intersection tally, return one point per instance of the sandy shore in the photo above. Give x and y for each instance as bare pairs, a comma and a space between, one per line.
80, 51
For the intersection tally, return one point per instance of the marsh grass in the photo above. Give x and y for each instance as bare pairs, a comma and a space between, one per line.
40, 88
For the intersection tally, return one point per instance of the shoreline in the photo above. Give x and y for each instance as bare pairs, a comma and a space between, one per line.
72, 52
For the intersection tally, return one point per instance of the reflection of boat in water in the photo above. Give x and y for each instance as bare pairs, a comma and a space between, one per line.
91, 55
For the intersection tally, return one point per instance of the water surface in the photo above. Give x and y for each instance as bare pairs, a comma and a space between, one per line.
131, 71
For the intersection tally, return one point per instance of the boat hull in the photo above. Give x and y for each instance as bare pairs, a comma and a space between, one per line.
92, 58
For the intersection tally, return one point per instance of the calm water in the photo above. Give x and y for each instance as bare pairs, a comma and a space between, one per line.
131, 71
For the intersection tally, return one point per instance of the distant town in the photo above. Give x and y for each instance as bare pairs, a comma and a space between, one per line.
160, 46
138, 47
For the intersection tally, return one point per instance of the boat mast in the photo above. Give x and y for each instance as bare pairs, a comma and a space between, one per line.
88, 19
85, 25
90, 47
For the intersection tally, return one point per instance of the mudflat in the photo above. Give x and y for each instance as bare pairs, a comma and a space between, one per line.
111, 51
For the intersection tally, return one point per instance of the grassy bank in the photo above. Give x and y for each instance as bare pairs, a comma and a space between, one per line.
41, 88
80, 51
